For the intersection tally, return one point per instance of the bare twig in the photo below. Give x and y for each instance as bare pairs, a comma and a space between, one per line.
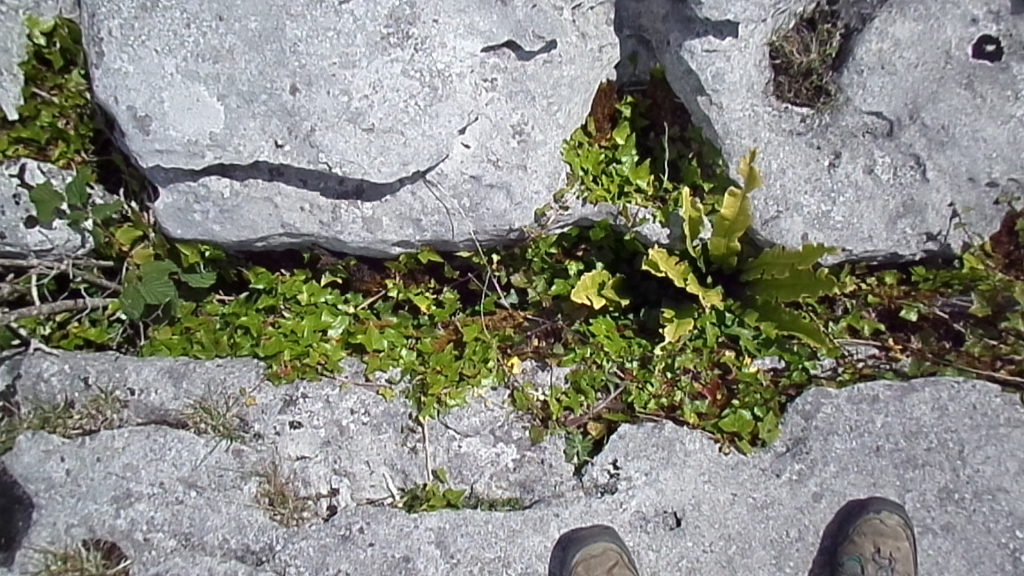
98, 281
43, 95
1005, 379
472, 234
9, 291
40, 263
366, 303
390, 485
34, 289
857, 341
51, 308
572, 422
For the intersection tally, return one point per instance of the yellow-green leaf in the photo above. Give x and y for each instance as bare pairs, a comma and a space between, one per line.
735, 217
730, 224
797, 285
694, 222
613, 291
127, 235
676, 324
779, 261
660, 263
751, 177
664, 265
587, 291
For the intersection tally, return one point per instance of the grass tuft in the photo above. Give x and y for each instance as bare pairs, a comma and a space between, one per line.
804, 58
212, 418
279, 499
89, 558
101, 411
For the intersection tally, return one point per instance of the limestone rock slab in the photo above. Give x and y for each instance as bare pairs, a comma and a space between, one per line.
924, 135
947, 448
367, 126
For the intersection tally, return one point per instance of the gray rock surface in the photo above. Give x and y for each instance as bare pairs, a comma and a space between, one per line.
13, 40
921, 132
17, 239
363, 127
177, 502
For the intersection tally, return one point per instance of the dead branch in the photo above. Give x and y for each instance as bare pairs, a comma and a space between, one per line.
39, 263
51, 308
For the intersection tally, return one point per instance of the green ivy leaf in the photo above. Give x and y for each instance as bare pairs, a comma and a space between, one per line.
38, 28
77, 190
199, 279
428, 255
909, 313
640, 174
372, 340
737, 422
621, 132
47, 200
103, 212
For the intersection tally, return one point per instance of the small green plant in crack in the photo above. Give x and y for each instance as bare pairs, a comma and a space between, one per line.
439, 495
277, 496
216, 418
636, 147
93, 557
100, 411
55, 122
804, 57
432, 496
964, 319
719, 303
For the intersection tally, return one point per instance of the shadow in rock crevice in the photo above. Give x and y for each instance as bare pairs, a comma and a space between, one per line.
16, 510
641, 25
328, 185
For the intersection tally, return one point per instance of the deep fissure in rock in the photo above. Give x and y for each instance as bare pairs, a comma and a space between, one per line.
328, 185
16, 510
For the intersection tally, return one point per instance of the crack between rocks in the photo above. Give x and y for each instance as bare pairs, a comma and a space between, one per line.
520, 53
328, 185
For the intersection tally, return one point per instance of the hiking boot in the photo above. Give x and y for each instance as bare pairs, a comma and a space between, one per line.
877, 539
596, 550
